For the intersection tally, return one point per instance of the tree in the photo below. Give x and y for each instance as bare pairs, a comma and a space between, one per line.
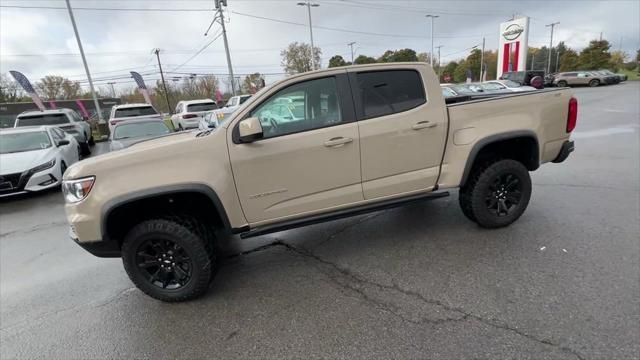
252, 83
473, 63
460, 73
10, 91
569, 61
337, 61
296, 58
618, 58
362, 59
450, 69
50, 87
207, 86
424, 57
595, 56
71, 90
398, 56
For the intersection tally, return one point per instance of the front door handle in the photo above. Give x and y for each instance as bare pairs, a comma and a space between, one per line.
337, 141
423, 125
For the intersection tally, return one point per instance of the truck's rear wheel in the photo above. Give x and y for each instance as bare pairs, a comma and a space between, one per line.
497, 194
169, 259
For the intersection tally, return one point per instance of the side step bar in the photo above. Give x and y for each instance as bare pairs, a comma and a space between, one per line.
340, 214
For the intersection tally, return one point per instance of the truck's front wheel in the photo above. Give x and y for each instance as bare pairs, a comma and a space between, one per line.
497, 193
169, 259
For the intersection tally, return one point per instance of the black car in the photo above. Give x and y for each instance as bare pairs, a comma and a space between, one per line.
621, 77
525, 77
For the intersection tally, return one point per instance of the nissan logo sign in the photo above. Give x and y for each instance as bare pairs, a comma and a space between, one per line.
512, 32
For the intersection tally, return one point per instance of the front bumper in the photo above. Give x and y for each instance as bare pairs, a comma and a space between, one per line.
566, 149
104, 249
22, 183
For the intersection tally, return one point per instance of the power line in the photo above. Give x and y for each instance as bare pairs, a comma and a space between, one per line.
106, 9
199, 51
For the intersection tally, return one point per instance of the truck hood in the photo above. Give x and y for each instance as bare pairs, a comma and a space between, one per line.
18, 162
157, 150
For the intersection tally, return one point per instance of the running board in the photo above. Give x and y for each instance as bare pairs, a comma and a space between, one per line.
340, 214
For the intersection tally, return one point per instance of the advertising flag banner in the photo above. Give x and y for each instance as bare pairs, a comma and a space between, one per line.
141, 86
26, 85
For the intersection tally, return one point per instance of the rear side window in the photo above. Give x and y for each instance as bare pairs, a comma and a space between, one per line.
52, 119
202, 107
388, 92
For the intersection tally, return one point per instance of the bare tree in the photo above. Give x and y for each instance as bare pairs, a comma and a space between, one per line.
296, 58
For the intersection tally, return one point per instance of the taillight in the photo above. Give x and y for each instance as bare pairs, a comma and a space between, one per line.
572, 118
189, 116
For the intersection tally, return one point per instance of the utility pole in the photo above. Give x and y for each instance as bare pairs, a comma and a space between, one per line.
113, 90
433, 17
552, 25
351, 46
84, 61
482, 61
309, 5
557, 60
533, 61
439, 64
164, 85
600, 35
220, 13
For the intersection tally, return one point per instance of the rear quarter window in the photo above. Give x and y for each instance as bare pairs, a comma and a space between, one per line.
381, 93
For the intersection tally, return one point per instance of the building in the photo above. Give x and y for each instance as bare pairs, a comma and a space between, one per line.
85, 107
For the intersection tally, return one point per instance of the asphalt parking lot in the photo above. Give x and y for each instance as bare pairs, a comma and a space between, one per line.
421, 281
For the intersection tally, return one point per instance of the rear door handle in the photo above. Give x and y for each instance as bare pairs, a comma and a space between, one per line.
423, 125
337, 141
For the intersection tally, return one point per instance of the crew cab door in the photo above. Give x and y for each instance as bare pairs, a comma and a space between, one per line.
403, 124
309, 157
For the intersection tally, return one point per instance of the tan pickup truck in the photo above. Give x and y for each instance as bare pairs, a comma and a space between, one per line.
313, 147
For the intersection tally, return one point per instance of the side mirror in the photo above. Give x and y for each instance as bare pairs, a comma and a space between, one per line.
62, 142
250, 130
212, 125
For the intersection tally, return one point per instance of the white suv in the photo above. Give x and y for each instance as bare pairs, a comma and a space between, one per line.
188, 113
65, 119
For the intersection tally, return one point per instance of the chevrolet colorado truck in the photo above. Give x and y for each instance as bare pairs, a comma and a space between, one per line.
364, 138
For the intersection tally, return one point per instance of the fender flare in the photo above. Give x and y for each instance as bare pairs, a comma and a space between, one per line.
480, 144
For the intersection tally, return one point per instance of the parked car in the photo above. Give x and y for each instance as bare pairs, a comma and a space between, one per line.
609, 79
132, 112
506, 85
447, 91
231, 106
189, 113
127, 133
34, 158
526, 77
380, 144
65, 119
574, 78
210, 121
622, 77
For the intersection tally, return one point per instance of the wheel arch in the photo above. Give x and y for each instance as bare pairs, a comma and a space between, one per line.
499, 144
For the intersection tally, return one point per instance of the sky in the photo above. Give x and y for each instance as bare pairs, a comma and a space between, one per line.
39, 41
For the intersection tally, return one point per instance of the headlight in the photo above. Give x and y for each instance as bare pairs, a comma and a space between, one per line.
49, 164
77, 190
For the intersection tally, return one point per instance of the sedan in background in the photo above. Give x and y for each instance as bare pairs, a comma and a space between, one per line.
506, 85
34, 158
126, 134
622, 77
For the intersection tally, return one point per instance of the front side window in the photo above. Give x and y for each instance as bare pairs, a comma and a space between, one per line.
387, 92
24, 141
304, 106
37, 120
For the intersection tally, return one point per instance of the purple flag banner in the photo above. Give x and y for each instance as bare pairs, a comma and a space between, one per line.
26, 85
141, 86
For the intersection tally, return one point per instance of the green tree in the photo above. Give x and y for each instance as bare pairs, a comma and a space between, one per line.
401, 55
252, 83
296, 58
449, 69
473, 62
596, 55
337, 61
618, 58
569, 61
363, 59
460, 73
424, 57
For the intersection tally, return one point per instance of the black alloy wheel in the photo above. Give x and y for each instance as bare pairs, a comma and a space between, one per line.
164, 263
504, 195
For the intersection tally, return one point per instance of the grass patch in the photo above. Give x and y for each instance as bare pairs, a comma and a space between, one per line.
631, 74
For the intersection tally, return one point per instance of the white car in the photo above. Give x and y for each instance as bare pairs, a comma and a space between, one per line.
231, 106
132, 112
188, 113
506, 85
127, 133
65, 119
34, 158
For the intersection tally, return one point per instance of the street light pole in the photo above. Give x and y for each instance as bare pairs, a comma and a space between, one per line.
84, 61
552, 25
439, 64
309, 4
351, 46
432, 18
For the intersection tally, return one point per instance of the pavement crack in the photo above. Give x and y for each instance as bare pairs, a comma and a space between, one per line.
33, 228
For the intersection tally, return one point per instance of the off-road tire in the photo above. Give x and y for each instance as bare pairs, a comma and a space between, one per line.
562, 83
474, 196
594, 83
188, 233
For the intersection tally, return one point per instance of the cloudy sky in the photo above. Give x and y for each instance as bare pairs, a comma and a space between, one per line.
36, 36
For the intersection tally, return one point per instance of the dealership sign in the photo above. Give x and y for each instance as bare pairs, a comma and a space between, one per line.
512, 51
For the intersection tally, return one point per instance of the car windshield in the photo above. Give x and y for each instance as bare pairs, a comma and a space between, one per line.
141, 129
37, 120
134, 111
492, 86
511, 84
202, 107
24, 141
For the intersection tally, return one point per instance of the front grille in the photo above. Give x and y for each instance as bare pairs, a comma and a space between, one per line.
13, 179
13, 182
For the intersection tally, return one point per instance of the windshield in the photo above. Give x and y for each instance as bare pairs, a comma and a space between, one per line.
51, 119
126, 131
492, 86
511, 84
134, 111
202, 107
27, 141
